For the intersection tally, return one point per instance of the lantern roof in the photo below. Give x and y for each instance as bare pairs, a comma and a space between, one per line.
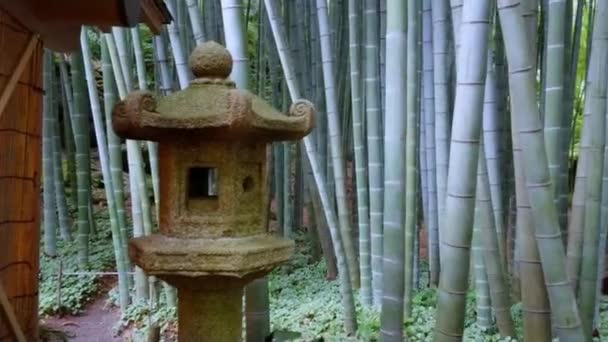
210, 108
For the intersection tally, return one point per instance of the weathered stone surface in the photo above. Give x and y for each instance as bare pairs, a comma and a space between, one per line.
222, 312
231, 257
238, 208
212, 208
210, 60
210, 109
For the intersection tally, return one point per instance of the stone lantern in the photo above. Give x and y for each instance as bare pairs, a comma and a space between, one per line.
212, 141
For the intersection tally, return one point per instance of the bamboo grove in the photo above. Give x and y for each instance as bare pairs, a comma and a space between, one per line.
459, 145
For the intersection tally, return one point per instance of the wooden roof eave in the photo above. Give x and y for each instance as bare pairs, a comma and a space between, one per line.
58, 22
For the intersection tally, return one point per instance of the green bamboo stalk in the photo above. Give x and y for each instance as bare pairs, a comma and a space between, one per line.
422, 175
48, 175
499, 292
440, 18
601, 267
183, 73
482, 289
319, 100
359, 153
350, 322
554, 87
161, 59
62, 207
151, 145
114, 147
232, 15
563, 190
195, 20
256, 308
80, 128
577, 218
119, 252
528, 273
393, 291
68, 134
527, 121
596, 94
207, 22
219, 25
382, 56
413, 89
287, 189
456, 8
529, 11
141, 281
114, 144
460, 200
374, 148
121, 35
180, 19
429, 123
492, 130
337, 156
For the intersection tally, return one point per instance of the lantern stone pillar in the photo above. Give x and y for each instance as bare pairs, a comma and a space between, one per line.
212, 154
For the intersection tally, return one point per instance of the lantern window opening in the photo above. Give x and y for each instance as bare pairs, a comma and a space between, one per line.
248, 184
202, 183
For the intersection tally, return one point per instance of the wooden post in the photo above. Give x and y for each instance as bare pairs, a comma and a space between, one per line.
20, 126
9, 315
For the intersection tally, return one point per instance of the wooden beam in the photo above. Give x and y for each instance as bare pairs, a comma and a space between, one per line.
9, 315
18, 71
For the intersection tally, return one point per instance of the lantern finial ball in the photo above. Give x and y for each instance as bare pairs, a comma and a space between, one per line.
210, 60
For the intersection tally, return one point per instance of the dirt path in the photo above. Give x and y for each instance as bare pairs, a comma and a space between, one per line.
95, 324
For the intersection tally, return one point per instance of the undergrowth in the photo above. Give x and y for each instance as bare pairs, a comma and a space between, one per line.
301, 300
75, 291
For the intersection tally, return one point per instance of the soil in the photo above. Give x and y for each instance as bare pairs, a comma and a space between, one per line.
96, 323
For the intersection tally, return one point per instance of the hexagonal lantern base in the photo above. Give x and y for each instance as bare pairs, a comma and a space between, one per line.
209, 275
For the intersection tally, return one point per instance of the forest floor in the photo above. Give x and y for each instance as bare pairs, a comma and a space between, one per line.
95, 324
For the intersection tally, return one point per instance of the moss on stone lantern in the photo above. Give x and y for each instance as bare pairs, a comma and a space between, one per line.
212, 154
